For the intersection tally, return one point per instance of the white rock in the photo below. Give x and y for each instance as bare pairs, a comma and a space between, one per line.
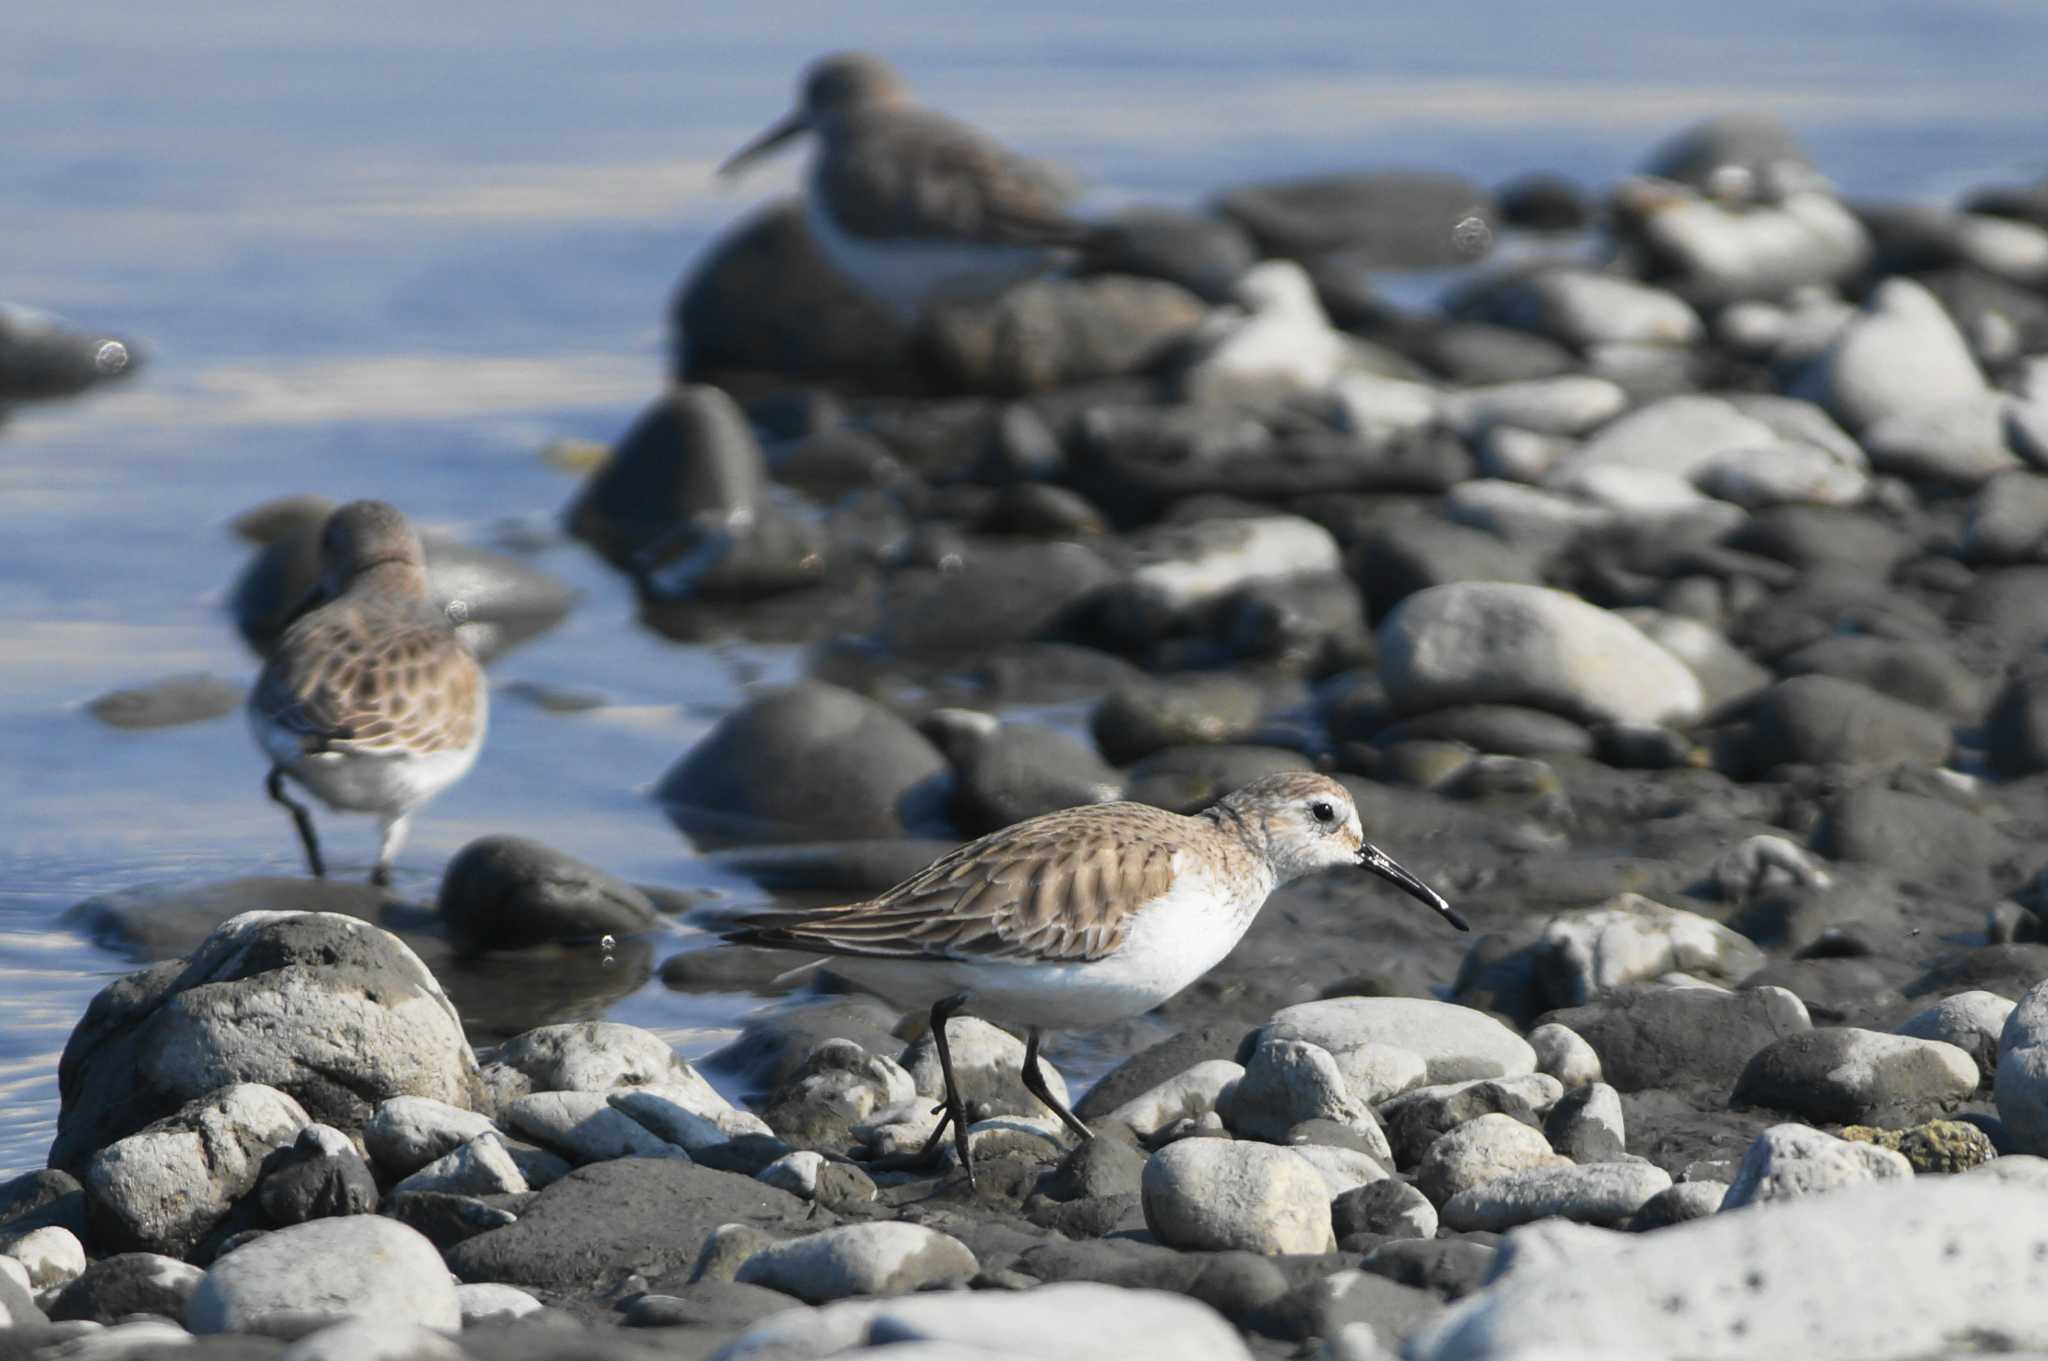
1455, 1042
1962, 442
1589, 1126
489, 1302
1724, 670
1596, 1193
583, 1127
1570, 404
881, 1257
2004, 246
1285, 345
1180, 567
1488, 642
1639, 493
1793, 1160
406, 1133
796, 1173
1375, 407
1188, 1095
481, 1167
2008, 520
1782, 474
15, 1270
52, 1254
79, 1340
1286, 1082
985, 1056
1343, 1168
1564, 1054
1478, 1151
373, 1339
1971, 1021
1585, 309
1216, 1194
2026, 1169
1796, 421
1072, 1320
1505, 451
166, 1185
1585, 954
593, 1056
1724, 251
1902, 355
1522, 514
677, 1114
2023, 1072
356, 1265
1676, 436
1761, 862
1794, 1279
1040, 1137
1375, 1072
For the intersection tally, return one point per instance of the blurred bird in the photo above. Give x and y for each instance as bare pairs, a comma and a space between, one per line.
911, 205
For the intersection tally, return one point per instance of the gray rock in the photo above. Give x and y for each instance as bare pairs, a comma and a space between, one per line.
168, 703
1679, 1204
1388, 219
1822, 720
867, 773
1960, 443
128, 1283
1569, 404
2023, 1073
1455, 1042
1805, 238
1850, 1076
165, 1187
2008, 520
1074, 1320
1217, 1194
1587, 1125
583, 1127
1971, 1021
368, 1023
53, 1255
17, 1300
1203, 254
43, 358
406, 1133
1286, 1082
1793, 1160
1607, 1193
1631, 939
1500, 642
682, 1114
481, 1167
1563, 1054
591, 1056
1416, 1119
1013, 771
1048, 333
1926, 675
1181, 569
880, 1258
1379, 1072
1664, 1037
319, 1176
1583, 309
796, 1173
1933, 839
763, 297
1342, 1168
836, 1087
650, 1215
1478, 1151
510, 892
1387, 1208
1959, 1263
1675, 438
1901, 357
1735, 156
988, 1065
361, 1265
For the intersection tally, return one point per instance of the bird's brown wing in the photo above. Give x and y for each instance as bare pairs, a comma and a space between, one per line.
917, 174
1062, 887
349, 680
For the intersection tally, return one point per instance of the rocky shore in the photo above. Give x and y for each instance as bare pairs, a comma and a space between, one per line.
1672, 598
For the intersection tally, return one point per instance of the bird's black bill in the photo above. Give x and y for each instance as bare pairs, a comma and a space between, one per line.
778, 133
1382, 864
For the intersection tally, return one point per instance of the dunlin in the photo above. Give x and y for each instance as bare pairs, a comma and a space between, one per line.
369, 701
910, 204
1083, 916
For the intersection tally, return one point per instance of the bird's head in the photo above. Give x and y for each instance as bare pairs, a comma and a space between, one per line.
832, 87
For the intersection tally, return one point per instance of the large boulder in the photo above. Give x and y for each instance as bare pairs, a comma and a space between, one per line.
334, 1012
809, 762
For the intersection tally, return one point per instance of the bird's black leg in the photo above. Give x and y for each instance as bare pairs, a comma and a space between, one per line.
954, 1108
1034, 1082
303, 819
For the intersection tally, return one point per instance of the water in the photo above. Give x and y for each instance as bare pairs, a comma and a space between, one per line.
392, 250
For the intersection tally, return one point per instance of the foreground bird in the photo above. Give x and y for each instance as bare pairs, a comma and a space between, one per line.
911, 205
1083, 916
370, 700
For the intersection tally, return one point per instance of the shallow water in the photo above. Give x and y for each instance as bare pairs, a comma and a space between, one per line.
393, 250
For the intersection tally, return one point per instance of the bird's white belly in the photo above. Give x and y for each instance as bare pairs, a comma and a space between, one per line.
907, 274
1174, 941
391, 783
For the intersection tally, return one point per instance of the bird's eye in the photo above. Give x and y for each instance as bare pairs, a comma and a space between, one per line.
1323, 812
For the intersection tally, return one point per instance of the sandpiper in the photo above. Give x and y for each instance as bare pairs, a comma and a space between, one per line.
1083, 916
370, 700
911, 205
